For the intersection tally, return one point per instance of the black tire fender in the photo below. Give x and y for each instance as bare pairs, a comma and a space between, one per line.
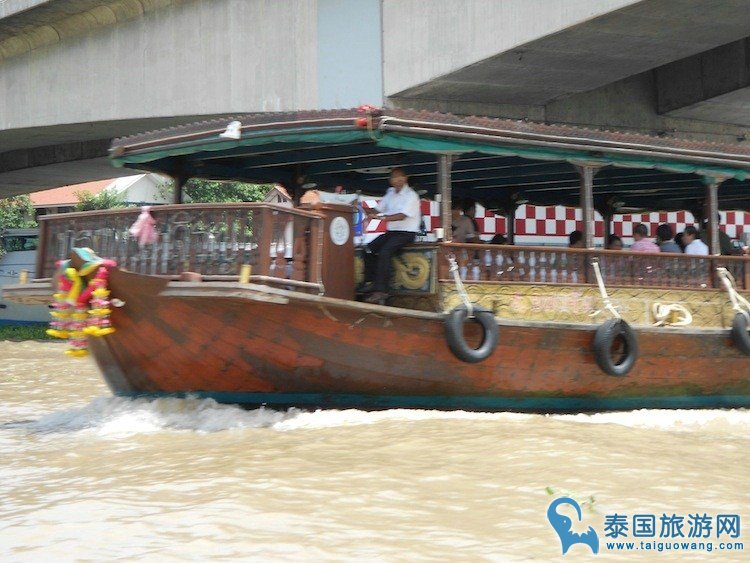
605, 336
740, 335
454, 334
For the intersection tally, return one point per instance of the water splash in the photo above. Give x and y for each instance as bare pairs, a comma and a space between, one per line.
681, 420
117, 415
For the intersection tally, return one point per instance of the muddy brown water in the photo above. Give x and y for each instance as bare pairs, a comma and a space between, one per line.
87, 476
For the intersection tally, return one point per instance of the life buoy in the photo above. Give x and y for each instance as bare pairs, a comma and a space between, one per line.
606, 335
740, 335
454, 334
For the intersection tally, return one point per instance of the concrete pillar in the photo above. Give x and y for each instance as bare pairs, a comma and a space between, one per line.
444, 189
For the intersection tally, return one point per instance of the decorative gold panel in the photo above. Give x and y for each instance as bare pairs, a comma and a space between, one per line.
575, 304
413, 270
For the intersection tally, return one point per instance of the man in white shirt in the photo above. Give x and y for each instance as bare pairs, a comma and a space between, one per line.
399, 209
693, 244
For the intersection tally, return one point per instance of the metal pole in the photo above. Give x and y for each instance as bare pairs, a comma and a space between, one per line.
712, 210
586, 173
444, 188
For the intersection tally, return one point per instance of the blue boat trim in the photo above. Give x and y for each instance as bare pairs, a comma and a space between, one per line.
453, 402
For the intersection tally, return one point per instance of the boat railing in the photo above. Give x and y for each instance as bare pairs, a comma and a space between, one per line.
545, 265
214, 240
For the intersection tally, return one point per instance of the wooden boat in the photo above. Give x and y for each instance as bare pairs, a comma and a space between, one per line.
293, 334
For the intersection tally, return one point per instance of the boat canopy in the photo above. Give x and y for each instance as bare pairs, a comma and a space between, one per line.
500, 163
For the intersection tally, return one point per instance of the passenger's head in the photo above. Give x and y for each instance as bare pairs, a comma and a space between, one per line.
499, 239
575, 239
614, 243
470, 207
456, 209
640, 231
679, 239
398, 178
690, 234
663, 233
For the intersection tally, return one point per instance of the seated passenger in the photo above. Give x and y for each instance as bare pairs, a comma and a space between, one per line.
664, 239
679, 242
470, 210
463, 227
575, 240
725, 243
614, 243
642, 243
693, 244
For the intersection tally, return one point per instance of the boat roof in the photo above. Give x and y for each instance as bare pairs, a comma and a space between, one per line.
499, 162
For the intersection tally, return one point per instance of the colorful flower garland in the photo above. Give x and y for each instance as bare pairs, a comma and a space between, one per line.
78, 311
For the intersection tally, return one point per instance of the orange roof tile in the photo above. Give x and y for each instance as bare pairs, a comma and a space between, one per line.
65, 195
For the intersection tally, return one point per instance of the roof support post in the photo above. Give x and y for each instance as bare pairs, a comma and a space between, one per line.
179, 182
444, 163
712, 211
607, 227
586, 173
510, 224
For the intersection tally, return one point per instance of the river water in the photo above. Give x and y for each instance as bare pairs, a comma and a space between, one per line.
85, 476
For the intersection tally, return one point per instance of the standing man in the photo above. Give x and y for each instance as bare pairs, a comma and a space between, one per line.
400, 211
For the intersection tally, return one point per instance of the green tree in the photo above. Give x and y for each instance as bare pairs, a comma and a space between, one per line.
17, 213
103, 200
211, 191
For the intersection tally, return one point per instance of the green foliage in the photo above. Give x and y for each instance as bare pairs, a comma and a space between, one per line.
24, 332
103, 200
210, 191
17, 213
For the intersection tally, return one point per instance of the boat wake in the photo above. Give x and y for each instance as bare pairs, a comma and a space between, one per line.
116, 416
669, 420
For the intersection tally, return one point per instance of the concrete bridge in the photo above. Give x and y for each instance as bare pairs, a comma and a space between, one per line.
75, 73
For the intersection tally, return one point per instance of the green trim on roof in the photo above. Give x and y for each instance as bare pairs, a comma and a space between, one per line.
419, 143
422, 144
266, 138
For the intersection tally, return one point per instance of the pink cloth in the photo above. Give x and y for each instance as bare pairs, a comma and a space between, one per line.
644, 245
144, 229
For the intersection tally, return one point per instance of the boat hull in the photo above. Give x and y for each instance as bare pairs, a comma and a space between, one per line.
252, 345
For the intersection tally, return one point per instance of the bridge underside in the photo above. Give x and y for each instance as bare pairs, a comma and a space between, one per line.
76, 73
36, 158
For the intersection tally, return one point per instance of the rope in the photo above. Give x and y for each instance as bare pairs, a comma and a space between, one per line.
460, 285
739, 303
603, 291
662, 314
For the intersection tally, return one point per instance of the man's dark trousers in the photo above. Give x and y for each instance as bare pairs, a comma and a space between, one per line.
382, 250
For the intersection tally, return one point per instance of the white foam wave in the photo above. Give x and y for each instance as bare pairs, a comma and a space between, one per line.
117, 416
664, 419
